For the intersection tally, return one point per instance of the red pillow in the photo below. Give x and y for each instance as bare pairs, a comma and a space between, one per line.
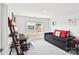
63, 34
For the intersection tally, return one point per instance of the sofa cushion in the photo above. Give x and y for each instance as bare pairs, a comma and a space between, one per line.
57, 33
63, 34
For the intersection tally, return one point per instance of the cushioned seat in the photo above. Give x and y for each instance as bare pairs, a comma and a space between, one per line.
58, 41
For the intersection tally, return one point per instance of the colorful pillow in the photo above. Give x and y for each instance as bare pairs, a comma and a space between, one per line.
63, 34
57, 33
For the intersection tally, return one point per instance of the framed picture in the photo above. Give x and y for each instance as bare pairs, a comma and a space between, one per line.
34, 27
72, 21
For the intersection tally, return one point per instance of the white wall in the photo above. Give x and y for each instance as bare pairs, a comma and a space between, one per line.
4, 28
21, 22
62, 23
0, 27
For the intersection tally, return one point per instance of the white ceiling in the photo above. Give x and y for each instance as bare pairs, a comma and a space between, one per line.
46, 10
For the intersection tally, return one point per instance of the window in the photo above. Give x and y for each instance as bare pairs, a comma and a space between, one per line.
34, 27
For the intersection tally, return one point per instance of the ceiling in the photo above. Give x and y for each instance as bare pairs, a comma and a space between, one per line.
46, 10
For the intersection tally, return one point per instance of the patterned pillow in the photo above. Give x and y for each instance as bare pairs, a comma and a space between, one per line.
57, 33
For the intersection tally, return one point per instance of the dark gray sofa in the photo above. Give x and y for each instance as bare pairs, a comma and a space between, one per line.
63, 43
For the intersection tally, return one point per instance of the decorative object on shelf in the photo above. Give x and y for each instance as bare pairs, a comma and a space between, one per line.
72, 21
53, 23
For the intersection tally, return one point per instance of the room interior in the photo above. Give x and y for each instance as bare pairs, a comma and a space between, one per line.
39, 29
